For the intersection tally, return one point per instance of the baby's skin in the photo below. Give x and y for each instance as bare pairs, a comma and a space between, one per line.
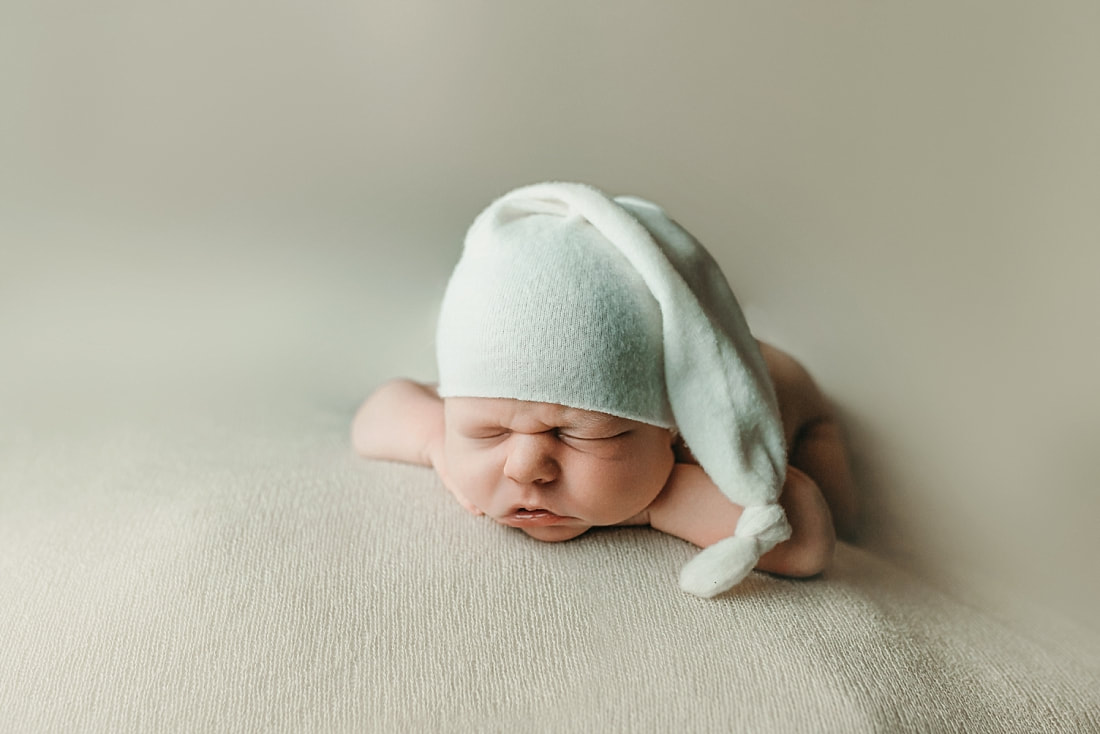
555, 472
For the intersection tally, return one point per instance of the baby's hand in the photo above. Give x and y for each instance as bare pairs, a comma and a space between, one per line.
435, 456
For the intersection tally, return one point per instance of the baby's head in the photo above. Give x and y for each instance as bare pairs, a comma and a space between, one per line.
551, 364
570, 310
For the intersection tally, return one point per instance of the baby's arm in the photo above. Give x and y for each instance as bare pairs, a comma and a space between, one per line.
403, 421
693, 508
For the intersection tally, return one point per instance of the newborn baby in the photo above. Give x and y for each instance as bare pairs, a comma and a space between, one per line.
596, 370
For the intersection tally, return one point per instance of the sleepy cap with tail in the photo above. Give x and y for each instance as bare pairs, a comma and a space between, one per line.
564, 295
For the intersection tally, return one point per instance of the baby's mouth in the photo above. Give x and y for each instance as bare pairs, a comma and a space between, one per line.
527, 517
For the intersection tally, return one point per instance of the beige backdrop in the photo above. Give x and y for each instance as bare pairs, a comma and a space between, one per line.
904, 195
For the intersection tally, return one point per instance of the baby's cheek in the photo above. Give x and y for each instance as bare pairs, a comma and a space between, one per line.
469, 475
640, 491
602, 505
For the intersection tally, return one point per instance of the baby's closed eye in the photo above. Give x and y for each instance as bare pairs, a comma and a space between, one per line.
487, 435
583, 436
612, 446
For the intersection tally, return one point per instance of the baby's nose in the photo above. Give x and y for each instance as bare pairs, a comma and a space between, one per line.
531, 459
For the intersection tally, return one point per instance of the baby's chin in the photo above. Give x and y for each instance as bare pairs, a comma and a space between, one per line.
556, 533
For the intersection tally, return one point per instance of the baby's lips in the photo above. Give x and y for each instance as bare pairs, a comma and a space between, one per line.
524, 517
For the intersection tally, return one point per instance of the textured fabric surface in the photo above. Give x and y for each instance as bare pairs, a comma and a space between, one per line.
244, 572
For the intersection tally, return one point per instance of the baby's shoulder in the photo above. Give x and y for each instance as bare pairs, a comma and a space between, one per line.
784, 369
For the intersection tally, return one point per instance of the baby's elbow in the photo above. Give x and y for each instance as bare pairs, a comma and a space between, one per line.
810, 548
806, 553
372, 428
363, 429
811, 553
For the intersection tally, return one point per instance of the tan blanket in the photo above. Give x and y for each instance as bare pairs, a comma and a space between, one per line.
250, 574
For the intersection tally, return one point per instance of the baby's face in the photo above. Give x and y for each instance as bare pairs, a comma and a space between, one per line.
553, 471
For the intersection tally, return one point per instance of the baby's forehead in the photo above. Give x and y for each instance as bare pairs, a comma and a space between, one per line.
506, 411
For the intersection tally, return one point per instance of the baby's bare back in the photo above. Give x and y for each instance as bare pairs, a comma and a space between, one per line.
815, 442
